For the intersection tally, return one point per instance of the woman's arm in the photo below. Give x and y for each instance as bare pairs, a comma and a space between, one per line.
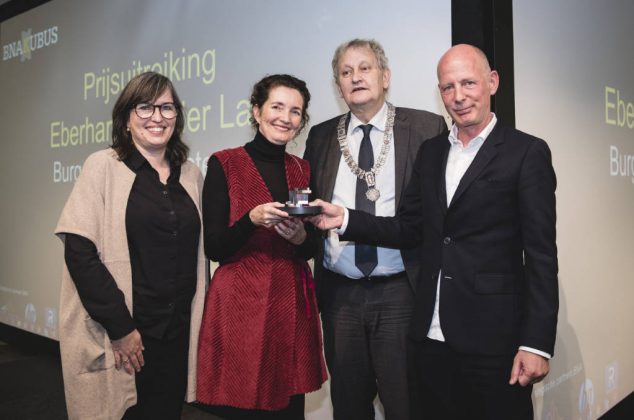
221, 241
96, 287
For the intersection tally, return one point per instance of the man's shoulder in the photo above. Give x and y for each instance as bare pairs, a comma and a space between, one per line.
423, 124
516, 135
417, 113
328, 124
321, 134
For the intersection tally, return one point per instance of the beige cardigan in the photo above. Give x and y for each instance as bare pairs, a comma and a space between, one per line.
96, 210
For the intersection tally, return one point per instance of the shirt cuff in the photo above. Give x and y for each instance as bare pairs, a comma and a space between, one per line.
539, 352
344, 225
120, 326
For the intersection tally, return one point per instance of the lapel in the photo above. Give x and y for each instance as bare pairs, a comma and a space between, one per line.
442, 183
332, 156
486, 153
401, 153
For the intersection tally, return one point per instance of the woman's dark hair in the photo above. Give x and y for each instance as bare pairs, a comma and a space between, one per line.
146, 87
262, 89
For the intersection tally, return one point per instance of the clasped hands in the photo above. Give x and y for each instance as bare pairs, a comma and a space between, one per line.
128, 352
269, 215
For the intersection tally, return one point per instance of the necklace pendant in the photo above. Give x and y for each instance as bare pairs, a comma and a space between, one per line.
372, 194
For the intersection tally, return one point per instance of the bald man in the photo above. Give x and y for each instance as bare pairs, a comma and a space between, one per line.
482, 204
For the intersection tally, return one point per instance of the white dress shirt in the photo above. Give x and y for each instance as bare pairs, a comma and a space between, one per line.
339, 255
458, 161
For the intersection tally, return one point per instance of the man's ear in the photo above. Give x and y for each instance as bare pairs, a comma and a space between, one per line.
494, 81
387, 76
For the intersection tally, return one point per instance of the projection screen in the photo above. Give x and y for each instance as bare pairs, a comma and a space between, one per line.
64, 63
574, 88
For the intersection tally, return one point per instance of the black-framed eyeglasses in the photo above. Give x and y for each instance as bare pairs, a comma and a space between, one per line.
144, 111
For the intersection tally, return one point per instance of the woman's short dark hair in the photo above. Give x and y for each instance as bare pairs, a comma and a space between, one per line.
262, 89
146, 87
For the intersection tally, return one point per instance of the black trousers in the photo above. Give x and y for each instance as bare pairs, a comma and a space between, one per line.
162, 382
365, 325
454, 386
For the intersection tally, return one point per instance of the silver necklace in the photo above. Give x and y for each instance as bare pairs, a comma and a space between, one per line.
369, 177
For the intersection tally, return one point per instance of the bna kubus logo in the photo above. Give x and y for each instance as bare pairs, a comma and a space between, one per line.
28, 43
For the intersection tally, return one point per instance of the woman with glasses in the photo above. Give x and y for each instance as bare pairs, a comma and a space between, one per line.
133, 287
260, 340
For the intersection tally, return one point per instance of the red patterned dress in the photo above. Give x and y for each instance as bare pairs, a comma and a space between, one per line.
260, 339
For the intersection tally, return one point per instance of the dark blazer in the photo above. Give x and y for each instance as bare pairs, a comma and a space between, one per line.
494, 243
411, 128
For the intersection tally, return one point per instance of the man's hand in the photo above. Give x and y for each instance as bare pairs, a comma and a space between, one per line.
528, 368
128, 352
331, 216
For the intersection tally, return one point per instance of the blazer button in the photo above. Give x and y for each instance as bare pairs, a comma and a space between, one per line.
447, 240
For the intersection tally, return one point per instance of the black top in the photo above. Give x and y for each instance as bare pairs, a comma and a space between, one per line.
221, 241
163, 229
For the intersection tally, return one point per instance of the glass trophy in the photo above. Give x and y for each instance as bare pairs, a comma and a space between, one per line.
297, 204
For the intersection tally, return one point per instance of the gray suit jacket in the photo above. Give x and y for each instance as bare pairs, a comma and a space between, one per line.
411, 128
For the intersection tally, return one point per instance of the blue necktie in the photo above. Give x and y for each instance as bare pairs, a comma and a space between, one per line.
365, 256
